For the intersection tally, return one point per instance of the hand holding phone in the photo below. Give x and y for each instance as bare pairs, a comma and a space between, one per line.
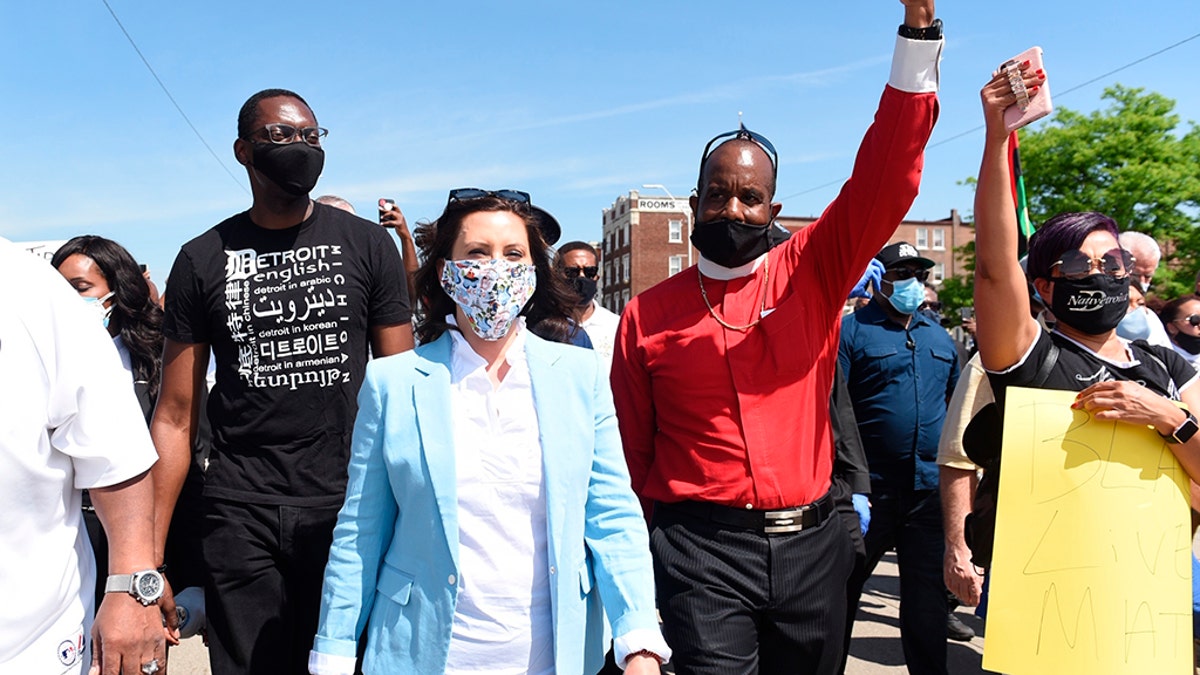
1029, 108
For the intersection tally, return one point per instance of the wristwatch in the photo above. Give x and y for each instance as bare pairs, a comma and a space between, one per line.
146, 586
932, 32
1184, 431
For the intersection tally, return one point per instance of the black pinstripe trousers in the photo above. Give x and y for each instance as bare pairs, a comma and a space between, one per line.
739, 601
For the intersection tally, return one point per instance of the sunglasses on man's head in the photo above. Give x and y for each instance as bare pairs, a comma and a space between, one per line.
1076, 264
903, 273
467, 194
589, 271
743, 134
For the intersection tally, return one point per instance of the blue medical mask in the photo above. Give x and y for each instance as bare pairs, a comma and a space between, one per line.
1134, 326
907, 295
97, 305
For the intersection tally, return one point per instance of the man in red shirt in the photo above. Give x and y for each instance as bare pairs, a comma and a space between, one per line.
721, 376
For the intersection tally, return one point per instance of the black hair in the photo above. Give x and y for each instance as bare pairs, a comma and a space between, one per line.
249, 112
577, 246
135, 317
548, 312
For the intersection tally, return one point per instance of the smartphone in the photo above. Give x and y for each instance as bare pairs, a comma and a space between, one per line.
142, 267
1040, 105
966, 313
385, 205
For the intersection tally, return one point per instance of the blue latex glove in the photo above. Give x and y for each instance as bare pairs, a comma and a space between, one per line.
862, 506
874, 272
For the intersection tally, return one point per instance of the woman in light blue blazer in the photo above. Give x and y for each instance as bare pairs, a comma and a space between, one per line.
488, 510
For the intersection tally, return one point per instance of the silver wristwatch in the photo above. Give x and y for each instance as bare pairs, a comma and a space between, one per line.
146, 587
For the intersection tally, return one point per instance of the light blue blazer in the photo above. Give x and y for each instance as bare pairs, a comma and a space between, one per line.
395, 548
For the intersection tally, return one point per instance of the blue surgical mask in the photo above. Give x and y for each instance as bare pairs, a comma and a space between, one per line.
906, 295
1134, 326
97, 305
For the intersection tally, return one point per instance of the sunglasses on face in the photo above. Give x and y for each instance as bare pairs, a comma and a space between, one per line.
589, 271
743, 134
282, 134
1076, 264
903, 273
467, 194
1192, 320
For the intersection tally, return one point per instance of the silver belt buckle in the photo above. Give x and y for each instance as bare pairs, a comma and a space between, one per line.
784, 521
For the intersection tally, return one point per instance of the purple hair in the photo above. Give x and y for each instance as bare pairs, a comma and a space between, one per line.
1060, 234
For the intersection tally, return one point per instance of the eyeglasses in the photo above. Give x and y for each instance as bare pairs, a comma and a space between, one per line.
903, 273
1192, 320
935, 306
468, 194
588, 271
742, 134
1075, 264
282, 134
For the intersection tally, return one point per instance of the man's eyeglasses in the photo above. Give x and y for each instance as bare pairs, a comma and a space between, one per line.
589, 271
1192, 320
467, 194
903, 273
282, 134
934, 306
744, 134
1075, 264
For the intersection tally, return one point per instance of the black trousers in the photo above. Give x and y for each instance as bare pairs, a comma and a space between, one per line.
911, 521
739, 601
263, 595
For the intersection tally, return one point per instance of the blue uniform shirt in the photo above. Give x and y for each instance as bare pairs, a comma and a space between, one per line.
899, 381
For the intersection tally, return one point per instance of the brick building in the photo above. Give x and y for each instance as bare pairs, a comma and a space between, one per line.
646, 239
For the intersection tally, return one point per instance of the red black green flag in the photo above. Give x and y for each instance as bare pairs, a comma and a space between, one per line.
1024, 225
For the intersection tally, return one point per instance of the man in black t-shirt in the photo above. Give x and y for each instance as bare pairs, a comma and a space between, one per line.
289, 296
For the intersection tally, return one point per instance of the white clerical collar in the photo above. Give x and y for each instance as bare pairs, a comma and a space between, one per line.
712, 270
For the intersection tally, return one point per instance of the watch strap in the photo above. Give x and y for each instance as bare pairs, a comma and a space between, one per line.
119, 583
931, 32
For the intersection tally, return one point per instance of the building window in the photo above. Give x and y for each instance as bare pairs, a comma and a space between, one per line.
939, 273
674, 264
625, 261
675, 231
939, 239
922, 237
625, 297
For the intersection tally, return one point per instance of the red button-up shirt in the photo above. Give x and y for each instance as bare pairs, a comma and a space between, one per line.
742, 418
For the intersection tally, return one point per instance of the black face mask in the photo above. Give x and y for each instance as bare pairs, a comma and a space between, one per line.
295, 167
1189, 343
585, 288
1092, 305
732, 243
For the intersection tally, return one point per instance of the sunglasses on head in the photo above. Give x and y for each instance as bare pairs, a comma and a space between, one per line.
588, 271
743, 134
468, 194
903, 273
1192, 320
1076, 264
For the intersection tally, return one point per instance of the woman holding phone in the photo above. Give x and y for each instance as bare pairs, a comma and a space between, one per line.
488, 509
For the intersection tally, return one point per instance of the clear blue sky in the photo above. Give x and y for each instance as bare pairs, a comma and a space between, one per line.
574, 102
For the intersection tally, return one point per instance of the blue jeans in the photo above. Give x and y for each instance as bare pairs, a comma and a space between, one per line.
910, 521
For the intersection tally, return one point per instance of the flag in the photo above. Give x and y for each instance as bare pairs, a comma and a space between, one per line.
1024, 225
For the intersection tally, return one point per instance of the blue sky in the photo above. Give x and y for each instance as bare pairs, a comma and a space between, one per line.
576, 103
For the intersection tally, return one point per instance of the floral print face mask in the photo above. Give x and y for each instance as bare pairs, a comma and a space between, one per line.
491, 293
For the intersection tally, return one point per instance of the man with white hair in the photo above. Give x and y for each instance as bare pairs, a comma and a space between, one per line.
1140, 323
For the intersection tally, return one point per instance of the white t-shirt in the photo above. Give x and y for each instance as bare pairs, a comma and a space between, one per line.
601, 329
68, 421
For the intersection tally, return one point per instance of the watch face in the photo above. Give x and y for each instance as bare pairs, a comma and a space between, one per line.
149, 585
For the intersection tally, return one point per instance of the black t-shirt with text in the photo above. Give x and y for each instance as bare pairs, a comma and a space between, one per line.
287, 314
1159, 369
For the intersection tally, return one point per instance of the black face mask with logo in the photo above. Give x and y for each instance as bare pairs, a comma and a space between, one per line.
1092, 305
732, 243
295, 167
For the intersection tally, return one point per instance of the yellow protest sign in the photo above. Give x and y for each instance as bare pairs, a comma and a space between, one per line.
1092, 570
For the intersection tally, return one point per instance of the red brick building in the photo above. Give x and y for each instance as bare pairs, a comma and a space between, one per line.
646, 239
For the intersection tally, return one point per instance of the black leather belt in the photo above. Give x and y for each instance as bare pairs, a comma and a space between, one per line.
783, 521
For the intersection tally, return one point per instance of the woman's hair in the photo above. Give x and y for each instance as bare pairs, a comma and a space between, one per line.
134, 317
547, 311
1060, 234
1171, 311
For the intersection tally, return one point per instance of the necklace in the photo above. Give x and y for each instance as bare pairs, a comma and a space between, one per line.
763, 308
